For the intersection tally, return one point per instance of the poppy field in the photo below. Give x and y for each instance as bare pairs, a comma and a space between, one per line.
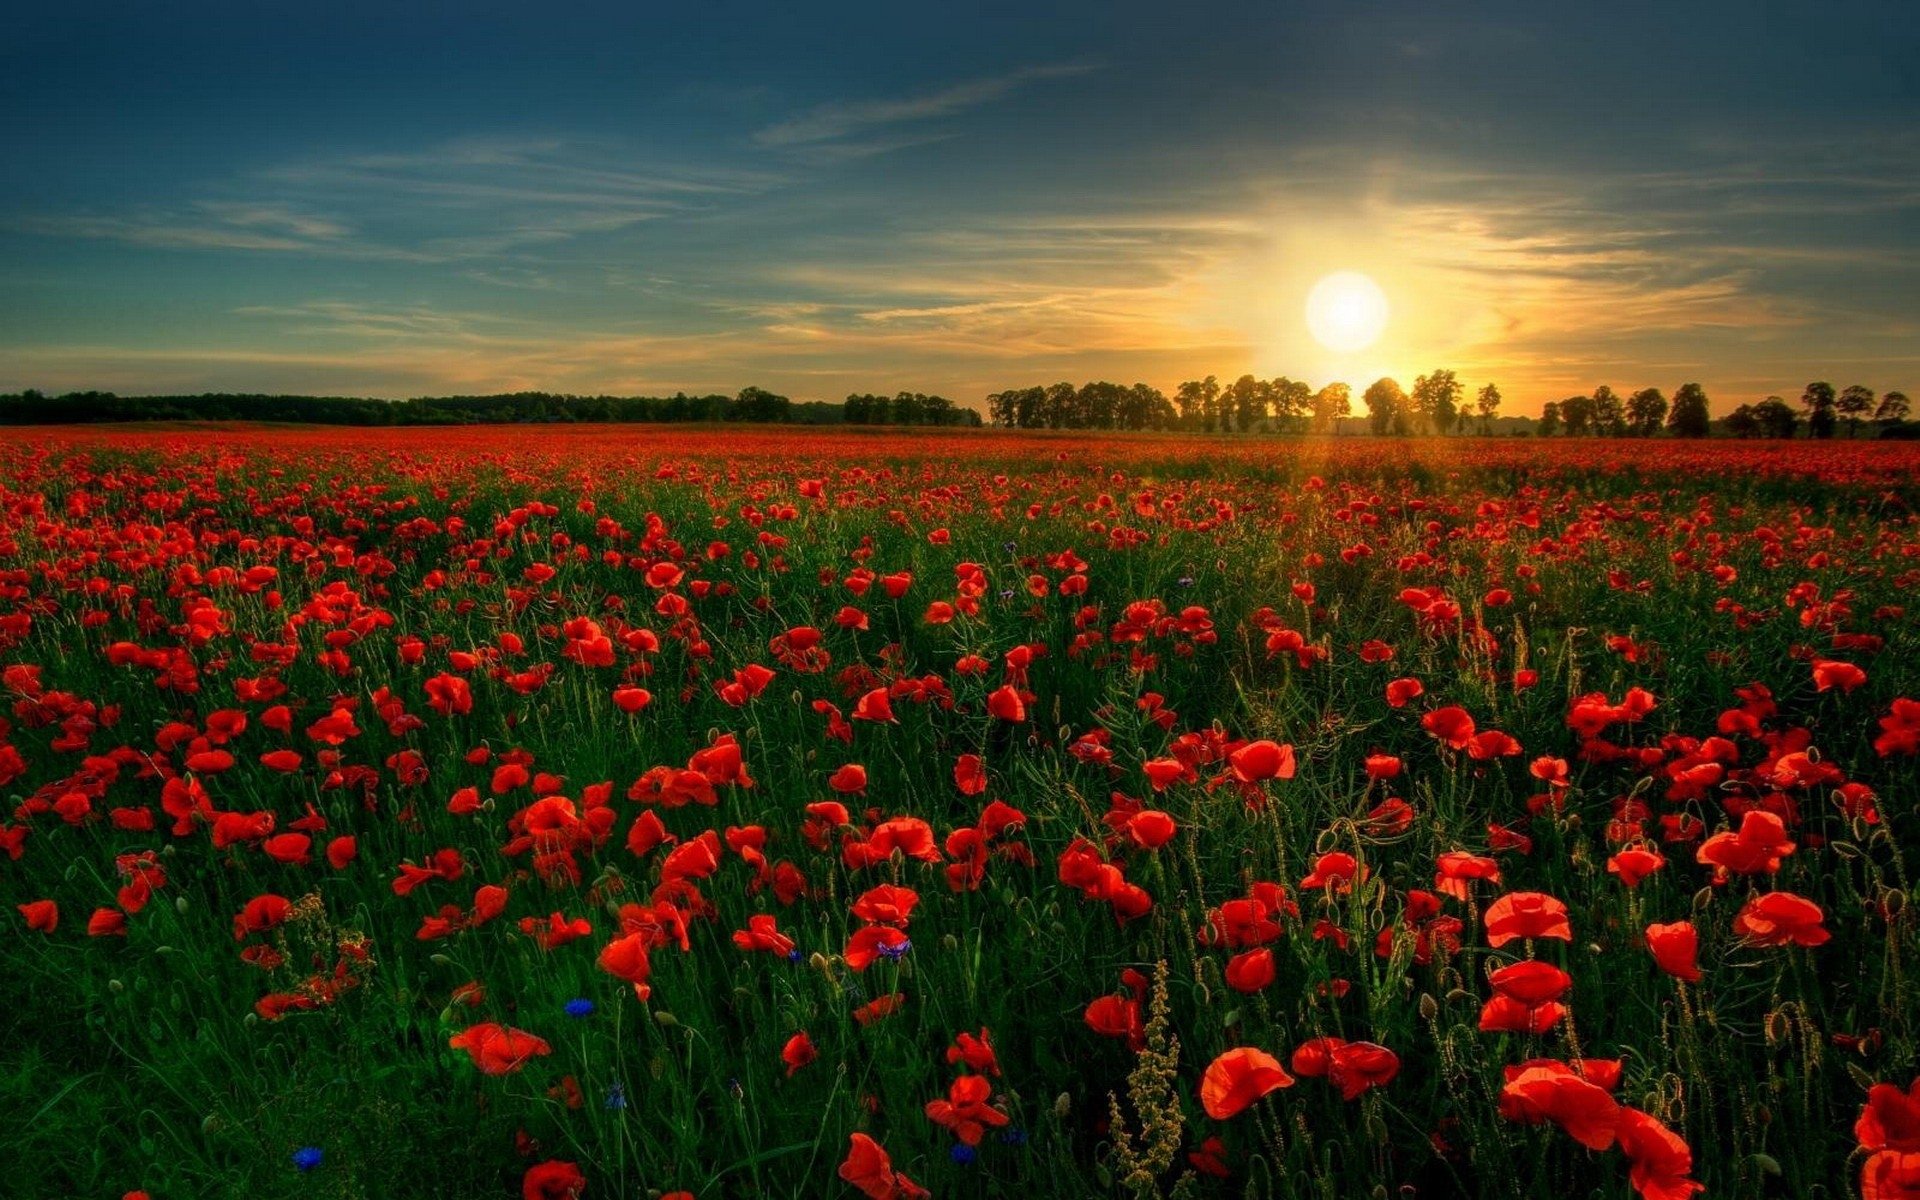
593, 812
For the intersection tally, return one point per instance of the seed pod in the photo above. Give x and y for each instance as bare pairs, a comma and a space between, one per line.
1777, 1027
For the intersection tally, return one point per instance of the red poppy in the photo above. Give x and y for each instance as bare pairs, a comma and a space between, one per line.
1260, 760
1661, 1158
1676, 949
1781, 918
553, 1180
966, 1111
1005, 703
1452, 725
868, 1168
1251, 970
1890, 1120
1527, 915
42, 915
798, 1052
1756, 849
1554, 1093
1238, 1078
499, 1049
1635, 863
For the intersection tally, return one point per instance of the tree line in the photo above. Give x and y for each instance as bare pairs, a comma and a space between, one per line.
1824, 409
751, 405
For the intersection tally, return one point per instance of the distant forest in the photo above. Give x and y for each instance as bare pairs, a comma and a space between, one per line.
751, 406
1436, 405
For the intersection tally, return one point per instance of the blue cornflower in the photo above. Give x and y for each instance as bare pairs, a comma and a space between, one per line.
579, 1009
1014, 1136
616, 1095
793, 955
897, 951
307, 1157
963, 1154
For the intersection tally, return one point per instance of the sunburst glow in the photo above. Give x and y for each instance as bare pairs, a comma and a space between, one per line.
1346, 312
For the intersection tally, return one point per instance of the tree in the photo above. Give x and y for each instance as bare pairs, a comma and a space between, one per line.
1609, 414
1292, 401
1646, 411
1436, 400
1819, 400
1488, 404
758, 404
1577, 412
1741, 422
1689, 417
1549, 419
1244, 404
1854, 404
1893, 408
1777, 418
1331, 403
1386, 404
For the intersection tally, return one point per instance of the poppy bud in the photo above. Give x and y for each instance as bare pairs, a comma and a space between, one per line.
665, 1019
1429, 1007
1062, 1105
180, 905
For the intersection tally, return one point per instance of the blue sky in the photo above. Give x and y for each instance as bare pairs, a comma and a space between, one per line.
410, 199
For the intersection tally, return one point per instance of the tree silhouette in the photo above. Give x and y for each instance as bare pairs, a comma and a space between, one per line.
1646, 411
1819, 400
1689, 417
1854, 404
1488, 404
1386, 406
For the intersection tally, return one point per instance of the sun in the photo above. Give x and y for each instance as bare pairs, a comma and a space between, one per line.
1346, 312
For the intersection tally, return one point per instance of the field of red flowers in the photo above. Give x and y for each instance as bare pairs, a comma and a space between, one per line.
609, 813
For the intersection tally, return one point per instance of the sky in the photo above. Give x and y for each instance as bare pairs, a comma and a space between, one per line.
408, 199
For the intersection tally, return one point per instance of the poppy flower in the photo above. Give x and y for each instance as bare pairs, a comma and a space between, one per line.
1250, 970
1527, 915
1005, 703
1238, 1078
1452, 725
868, 1169
849, 780
1661, 1160
498, 1049
966, 1111
1635, 863
975, 1051
887, 904
1890, 1119
1676, 949
42, 915
1890, 1175
1757, 848
1260, 760
1781, 918
1400, 691
798, 1052
1151, 829
762, 933
553, 1180
1586, 1112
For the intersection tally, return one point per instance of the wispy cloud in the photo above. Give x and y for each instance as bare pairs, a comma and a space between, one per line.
842, 119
